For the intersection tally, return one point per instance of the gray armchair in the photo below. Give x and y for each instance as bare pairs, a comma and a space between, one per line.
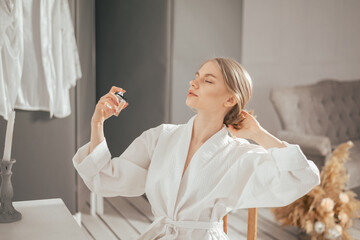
319, 117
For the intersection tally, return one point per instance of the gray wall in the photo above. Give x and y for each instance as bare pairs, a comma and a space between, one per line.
298, 42
85, 89
131, 53
43, 149
201, 31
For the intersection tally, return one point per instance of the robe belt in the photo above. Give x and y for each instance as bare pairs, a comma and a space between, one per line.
194, 224
173, 225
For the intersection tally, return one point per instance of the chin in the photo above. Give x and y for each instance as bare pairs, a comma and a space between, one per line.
189, 103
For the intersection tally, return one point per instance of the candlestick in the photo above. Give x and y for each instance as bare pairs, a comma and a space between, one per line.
7, 211
9, 136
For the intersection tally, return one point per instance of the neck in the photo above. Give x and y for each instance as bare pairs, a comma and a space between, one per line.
205, 126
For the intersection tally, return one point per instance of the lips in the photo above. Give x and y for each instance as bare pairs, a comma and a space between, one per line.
190, 92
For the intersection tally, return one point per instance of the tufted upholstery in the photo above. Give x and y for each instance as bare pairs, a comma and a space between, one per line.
319, 117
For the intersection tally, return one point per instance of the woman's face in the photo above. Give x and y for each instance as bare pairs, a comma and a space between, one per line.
211, 92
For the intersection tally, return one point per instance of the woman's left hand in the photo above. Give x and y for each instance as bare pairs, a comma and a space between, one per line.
250, 127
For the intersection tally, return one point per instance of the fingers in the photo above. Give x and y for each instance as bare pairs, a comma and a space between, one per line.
116, 89
111, 94
113, 98
108, 104
245, 113
108, 109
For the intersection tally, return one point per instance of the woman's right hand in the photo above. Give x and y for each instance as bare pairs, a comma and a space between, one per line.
107, 105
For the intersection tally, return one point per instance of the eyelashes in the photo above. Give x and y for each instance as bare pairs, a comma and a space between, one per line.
206, 81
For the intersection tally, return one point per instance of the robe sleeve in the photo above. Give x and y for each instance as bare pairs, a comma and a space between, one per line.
274, 177
119, 176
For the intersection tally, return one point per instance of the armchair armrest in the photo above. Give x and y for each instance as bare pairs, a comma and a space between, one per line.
310, 144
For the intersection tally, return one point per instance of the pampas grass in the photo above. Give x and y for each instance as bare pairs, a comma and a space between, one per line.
326, 212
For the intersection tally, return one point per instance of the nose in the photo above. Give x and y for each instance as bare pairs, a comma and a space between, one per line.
193, 83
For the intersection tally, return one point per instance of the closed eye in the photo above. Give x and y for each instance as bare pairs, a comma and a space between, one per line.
208, 81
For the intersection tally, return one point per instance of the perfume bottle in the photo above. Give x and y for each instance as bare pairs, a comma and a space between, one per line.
122, 101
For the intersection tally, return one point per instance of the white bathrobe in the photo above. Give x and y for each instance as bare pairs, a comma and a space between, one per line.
224, 174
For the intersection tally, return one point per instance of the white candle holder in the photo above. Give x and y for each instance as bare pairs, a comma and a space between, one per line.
7, 211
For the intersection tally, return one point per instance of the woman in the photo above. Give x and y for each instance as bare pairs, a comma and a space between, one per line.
195, 173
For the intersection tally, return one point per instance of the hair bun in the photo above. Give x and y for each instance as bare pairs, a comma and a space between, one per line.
235, 118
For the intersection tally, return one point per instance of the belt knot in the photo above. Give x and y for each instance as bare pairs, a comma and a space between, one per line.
193, 224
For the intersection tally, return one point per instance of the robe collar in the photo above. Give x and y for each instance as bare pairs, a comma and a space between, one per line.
211, 145
204, 153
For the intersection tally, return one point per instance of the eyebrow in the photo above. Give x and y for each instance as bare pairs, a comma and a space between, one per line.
208, 74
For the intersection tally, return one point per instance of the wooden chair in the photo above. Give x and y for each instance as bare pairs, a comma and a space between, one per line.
252, 224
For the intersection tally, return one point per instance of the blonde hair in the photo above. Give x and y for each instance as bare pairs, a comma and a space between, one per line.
238, 82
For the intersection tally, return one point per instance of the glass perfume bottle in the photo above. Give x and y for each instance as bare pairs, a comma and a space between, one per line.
122, 101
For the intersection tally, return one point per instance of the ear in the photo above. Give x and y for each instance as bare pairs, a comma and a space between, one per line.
230, 102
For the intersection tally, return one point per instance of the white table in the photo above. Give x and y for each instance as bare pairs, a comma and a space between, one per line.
42, 219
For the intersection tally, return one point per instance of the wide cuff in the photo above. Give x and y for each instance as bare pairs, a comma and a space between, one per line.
91, 164
289, 158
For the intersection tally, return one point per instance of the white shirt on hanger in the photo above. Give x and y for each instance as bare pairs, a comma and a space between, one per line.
11, 53
49, 59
